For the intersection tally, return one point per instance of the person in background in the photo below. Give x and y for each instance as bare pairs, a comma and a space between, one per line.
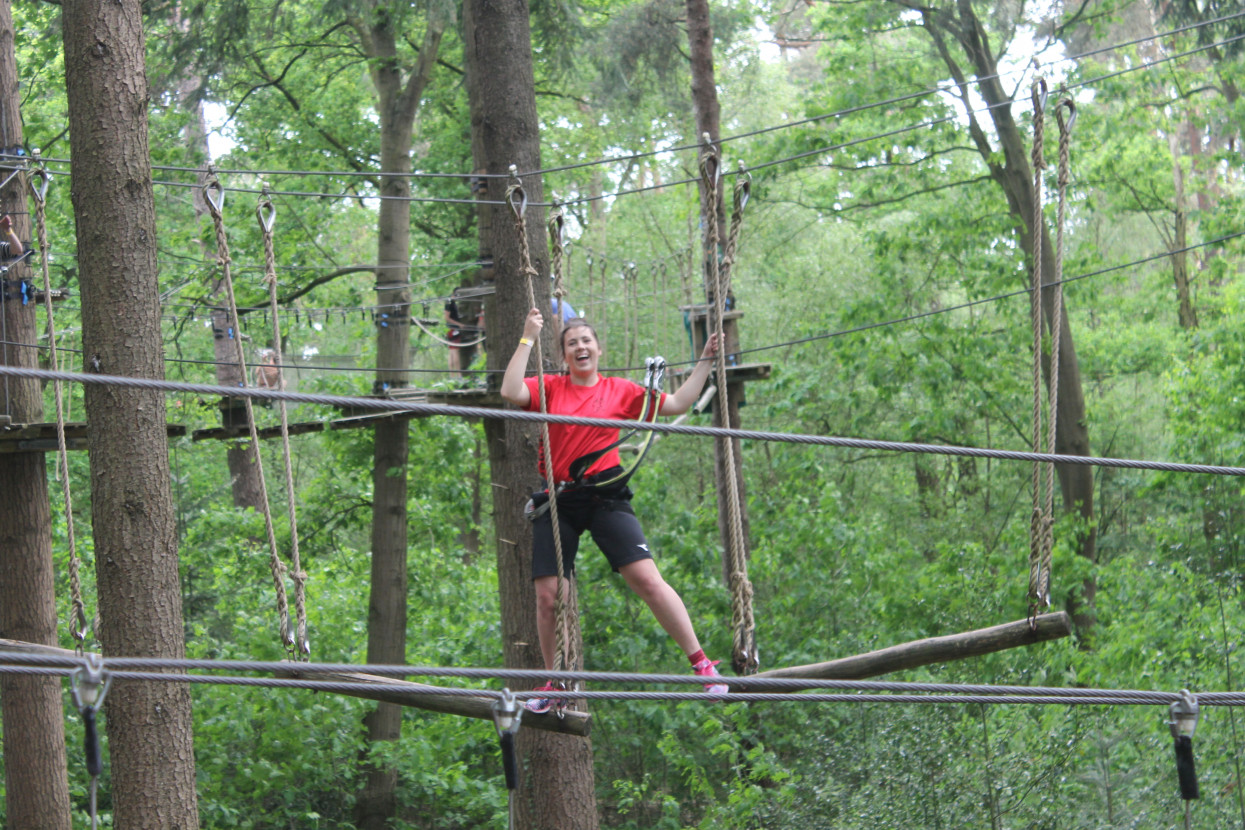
562, 310
454, 334
603, 509
268, 373
10, 246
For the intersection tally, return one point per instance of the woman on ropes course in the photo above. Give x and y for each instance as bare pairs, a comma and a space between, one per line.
598, 500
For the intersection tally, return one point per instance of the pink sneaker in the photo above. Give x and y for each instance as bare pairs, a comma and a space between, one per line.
540, 705
709, 668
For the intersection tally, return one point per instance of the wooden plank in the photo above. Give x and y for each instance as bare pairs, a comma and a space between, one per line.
243, 432
700, 312
390, 690
41, 437
740, 373
930, 650
467, 397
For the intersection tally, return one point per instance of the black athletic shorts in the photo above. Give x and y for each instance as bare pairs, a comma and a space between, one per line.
605, 513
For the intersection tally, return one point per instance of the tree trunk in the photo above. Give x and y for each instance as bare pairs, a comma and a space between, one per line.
397, 104
149, 724
34, 722
1187, 314
1015, 176
557, 790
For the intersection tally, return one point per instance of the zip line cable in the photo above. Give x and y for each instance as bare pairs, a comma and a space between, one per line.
776, 689
389, 405
838, 113
784, 344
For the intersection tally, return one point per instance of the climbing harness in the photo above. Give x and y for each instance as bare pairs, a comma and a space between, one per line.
655, 370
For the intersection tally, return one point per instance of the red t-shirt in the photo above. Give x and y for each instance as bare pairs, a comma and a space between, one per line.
610, 398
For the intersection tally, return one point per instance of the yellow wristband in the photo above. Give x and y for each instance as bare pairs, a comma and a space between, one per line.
525, 341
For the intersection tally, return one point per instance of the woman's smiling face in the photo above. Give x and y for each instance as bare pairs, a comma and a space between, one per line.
580, 350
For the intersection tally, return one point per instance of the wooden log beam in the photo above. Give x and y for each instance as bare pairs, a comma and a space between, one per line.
931, 650
390, 690
421, 696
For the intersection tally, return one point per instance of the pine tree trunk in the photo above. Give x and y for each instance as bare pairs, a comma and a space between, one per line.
34, 725
398, 103
556, 789
149, 724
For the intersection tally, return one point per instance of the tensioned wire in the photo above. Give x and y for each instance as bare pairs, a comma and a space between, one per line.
587, 199
392, 406
861, 691
784, 344
634, 156
773, 162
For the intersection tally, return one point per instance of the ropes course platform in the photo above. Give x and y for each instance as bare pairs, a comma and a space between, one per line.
41, 437
353, 418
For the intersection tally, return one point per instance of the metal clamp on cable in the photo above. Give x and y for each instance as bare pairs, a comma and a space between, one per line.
506, 716
89, 684
1183, 721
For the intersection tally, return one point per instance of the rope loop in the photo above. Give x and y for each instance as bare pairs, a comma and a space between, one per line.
516, 191
1039, 94
214, 194
1065, 137
266, 212
39, 181
743, 188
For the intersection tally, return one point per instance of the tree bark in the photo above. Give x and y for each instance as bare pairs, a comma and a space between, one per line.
398, 101
149, 724
557, 789
30, 707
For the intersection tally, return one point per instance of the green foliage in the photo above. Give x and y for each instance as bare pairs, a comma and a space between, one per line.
894, 262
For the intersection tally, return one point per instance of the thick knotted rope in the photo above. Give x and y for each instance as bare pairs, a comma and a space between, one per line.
215, 197
744, 656
266, 213
39, 187
1040, 519
565, 657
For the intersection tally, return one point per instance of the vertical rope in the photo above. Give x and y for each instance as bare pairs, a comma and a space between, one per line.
744, 627
742, 192
78, 606
1039, 596
266, 213
215, 196
1056, 327
563, 659
555, 224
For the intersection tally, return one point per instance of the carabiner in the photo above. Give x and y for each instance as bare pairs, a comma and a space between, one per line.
215, 195
265, 212
520, 208
1070, 106
39, 188
1039, 96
